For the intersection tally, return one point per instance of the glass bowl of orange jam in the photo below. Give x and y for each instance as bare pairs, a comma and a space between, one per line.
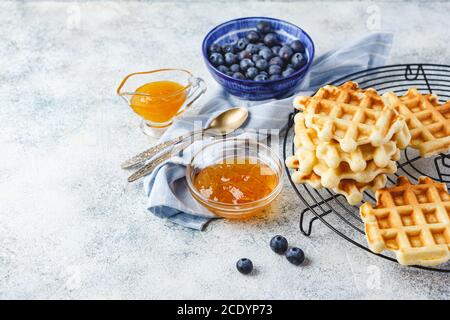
235, 178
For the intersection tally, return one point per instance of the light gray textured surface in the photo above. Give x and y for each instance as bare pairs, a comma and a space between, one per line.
70, 225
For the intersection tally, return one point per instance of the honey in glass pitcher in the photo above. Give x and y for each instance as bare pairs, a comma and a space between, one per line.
161, 102
159, 96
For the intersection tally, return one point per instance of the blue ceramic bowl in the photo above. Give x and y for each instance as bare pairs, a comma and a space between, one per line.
253, 90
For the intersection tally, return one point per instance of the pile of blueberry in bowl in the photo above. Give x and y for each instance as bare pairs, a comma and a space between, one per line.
258, 58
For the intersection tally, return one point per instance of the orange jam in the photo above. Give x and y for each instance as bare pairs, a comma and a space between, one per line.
239, 182
164, 100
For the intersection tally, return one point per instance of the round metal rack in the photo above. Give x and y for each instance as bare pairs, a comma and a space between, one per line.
332, 209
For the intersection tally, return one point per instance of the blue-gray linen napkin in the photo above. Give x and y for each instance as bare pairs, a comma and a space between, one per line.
166, 188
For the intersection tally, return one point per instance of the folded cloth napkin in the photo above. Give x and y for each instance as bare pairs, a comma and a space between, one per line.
166, 188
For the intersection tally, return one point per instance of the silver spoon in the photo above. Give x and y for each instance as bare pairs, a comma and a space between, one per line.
224, 123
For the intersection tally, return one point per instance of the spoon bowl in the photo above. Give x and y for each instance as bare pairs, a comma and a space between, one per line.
228, 121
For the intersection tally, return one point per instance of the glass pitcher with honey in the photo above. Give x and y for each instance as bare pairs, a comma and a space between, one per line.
159, 96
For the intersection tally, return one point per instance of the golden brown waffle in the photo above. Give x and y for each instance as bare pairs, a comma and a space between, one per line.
330, 178
309, 147
427, 120
306, 163
352, 117
350, 189
411, 220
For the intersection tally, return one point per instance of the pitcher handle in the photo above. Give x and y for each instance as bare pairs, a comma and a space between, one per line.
198, 89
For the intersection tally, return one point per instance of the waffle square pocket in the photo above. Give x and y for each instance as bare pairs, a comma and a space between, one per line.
427, 120
412, 220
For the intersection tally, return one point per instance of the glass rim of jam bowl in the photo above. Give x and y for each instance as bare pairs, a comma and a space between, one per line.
264, 154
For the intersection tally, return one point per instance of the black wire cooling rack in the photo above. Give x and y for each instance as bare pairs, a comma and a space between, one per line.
332, 209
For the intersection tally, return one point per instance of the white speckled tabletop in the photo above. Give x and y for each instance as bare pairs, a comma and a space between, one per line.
70, 224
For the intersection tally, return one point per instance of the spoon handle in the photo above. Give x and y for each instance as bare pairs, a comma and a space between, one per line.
149, 167
150, 153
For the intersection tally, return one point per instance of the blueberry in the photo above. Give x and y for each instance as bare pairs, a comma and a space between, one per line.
238, 75
275, 77
279, 244
253, 36
230, 58
215, 47
262, 64
253, 48
230, 73
295, 256
235, 68
298, 46
244, 265
223, 68
262, 46
245, 64
276, 49
251, 72
244, 55
256, 57
216, 59
228, 48
274, 69
264, 73
266, 53
285, 53
277, 60
241, 44
288, 72
263, 27
270, 39
298, 60
261, 77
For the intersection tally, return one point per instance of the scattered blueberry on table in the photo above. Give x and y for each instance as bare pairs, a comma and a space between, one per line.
295, 256
244, 265
279, 244
258, 56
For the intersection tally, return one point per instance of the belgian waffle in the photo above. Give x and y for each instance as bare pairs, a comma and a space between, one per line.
411, 220
350, 189
310, 147
352, 117
330, 178
427, 120
305, 163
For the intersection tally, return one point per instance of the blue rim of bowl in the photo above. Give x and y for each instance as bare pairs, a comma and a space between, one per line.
296, 73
